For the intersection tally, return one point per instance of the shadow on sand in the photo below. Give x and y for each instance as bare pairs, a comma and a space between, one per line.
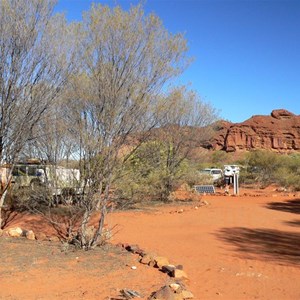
9, 217
265, 244
291, 206
294, 223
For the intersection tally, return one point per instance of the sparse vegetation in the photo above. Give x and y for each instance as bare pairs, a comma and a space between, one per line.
266, 167
100, 95
81, 93
146, 176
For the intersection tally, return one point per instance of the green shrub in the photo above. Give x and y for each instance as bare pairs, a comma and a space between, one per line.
265, 167
152, 173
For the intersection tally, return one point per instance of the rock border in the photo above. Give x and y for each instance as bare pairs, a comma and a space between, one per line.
173, 291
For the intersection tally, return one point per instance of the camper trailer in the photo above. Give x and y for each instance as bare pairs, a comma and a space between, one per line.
33, 174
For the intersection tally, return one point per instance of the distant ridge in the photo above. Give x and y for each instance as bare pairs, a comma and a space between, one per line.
280, 132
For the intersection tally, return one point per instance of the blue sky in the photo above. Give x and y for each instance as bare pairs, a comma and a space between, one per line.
246, 53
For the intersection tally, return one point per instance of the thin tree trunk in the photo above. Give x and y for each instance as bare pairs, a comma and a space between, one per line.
1, 206
86, 218
100, 192
3, 196
103, 213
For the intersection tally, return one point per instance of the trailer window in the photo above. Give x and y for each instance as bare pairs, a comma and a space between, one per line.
15, 171
22, 171
19, 171
31, 171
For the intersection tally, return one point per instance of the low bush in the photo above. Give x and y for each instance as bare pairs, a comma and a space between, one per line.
265, 167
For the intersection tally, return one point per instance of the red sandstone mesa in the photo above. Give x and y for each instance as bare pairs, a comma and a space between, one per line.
279, 132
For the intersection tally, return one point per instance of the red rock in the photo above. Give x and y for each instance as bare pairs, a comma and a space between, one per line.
41, 236
179, 274
279, 131
160, 261
165, 293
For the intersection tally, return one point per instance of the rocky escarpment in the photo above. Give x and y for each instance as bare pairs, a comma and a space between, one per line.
279, 131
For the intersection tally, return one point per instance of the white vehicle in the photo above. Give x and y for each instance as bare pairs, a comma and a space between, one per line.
214, 173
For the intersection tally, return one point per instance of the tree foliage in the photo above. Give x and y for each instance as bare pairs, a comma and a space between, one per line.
127, 59
100, 93
165, 161
35, 63
146, 176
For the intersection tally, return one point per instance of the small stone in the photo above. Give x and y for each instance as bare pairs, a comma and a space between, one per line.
175, 287
151, 263
40, 236
160, 261
129, 294
168, 268
178, 274
147, 260
30, 235
187, 294
15, 232
165, 293
133, 267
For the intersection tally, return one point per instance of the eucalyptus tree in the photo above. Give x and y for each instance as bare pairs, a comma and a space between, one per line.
36, 57
128, 59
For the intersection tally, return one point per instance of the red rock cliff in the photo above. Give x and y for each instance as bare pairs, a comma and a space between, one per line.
280, 132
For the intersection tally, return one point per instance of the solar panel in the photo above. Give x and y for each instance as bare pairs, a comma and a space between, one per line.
207, 189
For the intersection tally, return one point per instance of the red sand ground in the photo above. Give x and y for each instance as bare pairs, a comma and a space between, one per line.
245, 247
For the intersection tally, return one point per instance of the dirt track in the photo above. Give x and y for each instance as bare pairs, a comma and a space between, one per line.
234, 248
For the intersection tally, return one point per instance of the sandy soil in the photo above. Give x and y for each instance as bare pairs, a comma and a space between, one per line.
245, 247
32, 270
